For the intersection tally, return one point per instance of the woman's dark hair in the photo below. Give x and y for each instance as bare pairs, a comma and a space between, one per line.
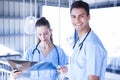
80, 4
43, 22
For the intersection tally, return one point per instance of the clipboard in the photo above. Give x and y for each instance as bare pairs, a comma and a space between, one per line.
31, 65
21, 64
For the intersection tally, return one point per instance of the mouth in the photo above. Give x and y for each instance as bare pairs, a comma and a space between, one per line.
78, 24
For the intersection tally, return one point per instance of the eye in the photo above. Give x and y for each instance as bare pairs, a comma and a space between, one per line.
39, 34
46, 33
72, 16
82, 16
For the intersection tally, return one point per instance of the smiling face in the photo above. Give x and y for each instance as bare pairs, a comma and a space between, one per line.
80, 19
43, 33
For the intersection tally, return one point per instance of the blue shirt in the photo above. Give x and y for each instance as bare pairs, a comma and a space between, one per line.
53, 56
90, 60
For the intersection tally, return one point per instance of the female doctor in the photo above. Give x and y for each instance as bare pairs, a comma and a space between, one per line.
44, 51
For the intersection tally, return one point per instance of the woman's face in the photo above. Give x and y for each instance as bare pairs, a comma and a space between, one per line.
43, 33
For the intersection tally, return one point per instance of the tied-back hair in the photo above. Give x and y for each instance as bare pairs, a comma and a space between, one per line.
43, 22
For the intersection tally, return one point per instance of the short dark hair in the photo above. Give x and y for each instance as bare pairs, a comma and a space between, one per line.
80, 4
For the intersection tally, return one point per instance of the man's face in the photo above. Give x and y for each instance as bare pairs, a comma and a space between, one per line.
80, 19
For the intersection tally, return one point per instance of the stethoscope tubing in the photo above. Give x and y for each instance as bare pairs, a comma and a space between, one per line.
36, 49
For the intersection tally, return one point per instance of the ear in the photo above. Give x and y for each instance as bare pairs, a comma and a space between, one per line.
89, 17
51, 30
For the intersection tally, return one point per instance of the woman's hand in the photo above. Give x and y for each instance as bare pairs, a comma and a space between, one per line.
63, 69
62, 72
16, 73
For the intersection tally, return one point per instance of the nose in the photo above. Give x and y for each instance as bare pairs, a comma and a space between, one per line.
77, 19
43, 37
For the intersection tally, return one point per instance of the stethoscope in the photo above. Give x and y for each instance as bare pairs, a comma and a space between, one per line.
81, 44
36, 49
